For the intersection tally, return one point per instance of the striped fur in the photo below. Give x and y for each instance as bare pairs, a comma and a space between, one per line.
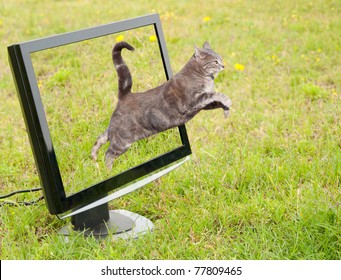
139, 115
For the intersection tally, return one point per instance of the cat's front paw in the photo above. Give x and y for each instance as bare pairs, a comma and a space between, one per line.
227, 104
226, 112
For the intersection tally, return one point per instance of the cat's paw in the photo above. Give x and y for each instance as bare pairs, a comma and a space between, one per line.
227, 105
94, 155
109, 165
109, 159
227, 102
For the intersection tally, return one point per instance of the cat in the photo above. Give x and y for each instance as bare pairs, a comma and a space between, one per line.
175, 102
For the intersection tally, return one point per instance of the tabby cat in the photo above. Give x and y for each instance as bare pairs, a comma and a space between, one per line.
139, 115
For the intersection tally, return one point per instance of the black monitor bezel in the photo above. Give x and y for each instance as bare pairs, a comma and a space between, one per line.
30, 100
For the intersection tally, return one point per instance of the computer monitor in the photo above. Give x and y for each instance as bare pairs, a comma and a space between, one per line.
67, 87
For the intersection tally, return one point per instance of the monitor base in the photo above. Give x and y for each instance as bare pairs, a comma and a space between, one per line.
121, 224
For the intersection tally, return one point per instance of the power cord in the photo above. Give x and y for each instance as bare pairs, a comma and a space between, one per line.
25, 203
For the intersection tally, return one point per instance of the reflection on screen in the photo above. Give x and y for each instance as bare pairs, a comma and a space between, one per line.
78, 87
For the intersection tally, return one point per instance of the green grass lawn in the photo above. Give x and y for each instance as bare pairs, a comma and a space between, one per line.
262, 184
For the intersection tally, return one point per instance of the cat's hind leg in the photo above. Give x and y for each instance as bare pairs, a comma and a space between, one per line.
110, 155
101, 140
113, 152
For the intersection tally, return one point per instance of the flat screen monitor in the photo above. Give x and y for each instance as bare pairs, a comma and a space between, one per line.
67, 87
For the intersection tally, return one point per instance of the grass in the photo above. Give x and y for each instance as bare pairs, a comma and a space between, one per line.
76, 120
263, 184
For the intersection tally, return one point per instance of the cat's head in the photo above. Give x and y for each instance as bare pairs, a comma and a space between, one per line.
209, 60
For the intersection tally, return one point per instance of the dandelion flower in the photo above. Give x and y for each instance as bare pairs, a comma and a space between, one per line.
239, 67
119, 38
206, 18
152, 38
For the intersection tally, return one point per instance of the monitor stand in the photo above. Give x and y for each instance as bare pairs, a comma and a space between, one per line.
100, 222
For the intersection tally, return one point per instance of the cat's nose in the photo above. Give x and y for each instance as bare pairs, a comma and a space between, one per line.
223, 66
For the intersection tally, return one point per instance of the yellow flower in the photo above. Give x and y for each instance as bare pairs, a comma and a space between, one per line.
239, 67
206, 18
119, 38
152, 38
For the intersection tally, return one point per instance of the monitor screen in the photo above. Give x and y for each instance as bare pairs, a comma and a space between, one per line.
67, 86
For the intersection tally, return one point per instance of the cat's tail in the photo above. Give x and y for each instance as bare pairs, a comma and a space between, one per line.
125, 81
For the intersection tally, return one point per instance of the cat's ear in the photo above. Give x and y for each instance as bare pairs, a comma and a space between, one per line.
199, 52
207, 46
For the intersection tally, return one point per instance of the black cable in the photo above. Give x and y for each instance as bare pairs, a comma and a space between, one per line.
25, 203
20, 191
